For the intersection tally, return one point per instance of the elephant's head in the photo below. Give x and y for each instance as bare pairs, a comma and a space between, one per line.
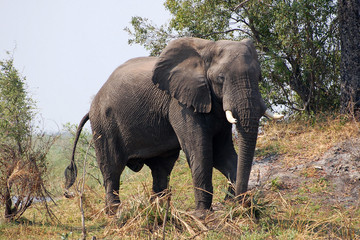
199, 72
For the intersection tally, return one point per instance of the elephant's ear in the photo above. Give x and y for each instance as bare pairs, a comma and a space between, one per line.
180, 72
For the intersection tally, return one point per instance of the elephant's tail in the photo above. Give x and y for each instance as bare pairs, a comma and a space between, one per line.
71, 170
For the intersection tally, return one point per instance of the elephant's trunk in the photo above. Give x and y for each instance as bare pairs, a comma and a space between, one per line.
247, 114
247, 142
247, 127
247, 123
244, 106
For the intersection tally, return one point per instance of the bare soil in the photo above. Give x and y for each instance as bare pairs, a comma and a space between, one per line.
332, 179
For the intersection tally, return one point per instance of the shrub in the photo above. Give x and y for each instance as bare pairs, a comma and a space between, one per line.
23, 148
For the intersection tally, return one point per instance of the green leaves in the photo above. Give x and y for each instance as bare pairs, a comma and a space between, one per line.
207, 19
16, 108
153, 38
299, 43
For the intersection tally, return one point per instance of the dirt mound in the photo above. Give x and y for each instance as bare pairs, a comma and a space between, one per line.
333, 178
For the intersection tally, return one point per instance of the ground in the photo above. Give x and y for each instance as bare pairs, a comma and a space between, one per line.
338, 169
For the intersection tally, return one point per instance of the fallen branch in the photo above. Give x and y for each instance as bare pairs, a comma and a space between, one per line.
83, 227
166, 213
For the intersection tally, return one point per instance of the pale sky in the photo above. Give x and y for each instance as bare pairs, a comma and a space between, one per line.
67, 49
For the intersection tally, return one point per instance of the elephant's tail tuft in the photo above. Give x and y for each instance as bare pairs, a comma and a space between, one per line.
71, 170
70, 177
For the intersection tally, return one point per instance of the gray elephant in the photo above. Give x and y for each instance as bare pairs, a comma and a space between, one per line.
187, 98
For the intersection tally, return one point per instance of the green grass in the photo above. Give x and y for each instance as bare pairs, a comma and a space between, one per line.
275, 213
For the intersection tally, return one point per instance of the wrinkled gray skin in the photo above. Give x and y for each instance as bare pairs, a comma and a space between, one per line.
152, 107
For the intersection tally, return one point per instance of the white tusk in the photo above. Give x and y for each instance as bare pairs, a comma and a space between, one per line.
230, 117
274, 116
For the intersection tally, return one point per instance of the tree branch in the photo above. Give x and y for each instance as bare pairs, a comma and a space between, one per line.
240, 5
289, 102
225, 32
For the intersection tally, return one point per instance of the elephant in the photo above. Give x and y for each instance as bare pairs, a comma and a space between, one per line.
186, 99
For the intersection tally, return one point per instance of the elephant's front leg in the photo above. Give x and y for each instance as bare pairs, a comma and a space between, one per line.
199, 155
195, 138
201, 163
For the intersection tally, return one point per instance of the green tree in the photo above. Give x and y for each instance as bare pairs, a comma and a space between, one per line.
297, 41
23, 150
16, 108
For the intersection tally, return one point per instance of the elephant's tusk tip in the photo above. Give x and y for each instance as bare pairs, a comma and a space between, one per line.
278, 116
230, 117
272, 115
234, 121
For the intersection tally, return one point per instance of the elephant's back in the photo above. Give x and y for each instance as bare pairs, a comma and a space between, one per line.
130, 85
132, 72
127, 83
130, 104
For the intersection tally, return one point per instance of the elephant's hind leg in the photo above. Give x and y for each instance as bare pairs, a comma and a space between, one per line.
225, 160
161, 168
110, 162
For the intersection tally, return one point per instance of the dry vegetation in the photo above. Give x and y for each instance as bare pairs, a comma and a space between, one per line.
299, 139
277, 210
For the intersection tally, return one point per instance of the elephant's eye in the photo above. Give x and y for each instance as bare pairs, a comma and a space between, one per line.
221, 77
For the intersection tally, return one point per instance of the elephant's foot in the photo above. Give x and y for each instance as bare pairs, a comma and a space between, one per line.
161, 197
112, 207
201, 214
203, 209
203, 205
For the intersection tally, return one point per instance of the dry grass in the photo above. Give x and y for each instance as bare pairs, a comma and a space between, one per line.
22, 177
160, 219
268, 217
273, 213
305, 138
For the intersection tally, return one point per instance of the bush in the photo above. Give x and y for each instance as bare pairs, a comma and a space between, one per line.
23, 148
